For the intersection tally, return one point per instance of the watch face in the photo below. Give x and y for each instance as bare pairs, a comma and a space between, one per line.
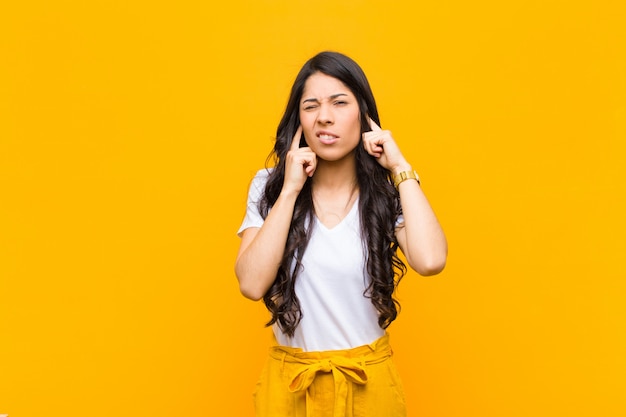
405, 175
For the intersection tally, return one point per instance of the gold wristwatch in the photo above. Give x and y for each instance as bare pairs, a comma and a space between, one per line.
405, 175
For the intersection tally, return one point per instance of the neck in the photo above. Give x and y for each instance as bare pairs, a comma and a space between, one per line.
335, 189
335, 175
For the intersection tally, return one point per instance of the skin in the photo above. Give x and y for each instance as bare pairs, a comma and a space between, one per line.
329, 116
421, 238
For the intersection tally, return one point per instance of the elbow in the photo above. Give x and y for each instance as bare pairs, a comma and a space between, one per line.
430, 270
246, 287
250, 293
430, 266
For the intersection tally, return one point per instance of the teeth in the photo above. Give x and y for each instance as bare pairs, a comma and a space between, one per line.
327, 137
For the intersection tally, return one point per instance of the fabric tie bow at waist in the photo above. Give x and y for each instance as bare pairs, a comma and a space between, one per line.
346, 370
343, 370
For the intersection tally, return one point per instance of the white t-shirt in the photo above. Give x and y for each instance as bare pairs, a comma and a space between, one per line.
335, 313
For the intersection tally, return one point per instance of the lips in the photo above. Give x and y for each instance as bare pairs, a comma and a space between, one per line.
327, 138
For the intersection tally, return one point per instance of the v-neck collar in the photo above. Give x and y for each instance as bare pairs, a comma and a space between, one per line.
348, 216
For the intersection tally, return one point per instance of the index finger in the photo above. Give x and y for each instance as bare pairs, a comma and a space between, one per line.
295, 143
373, 125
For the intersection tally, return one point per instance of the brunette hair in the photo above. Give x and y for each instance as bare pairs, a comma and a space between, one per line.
379, 205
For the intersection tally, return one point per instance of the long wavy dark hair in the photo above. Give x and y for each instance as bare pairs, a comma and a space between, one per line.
379, 204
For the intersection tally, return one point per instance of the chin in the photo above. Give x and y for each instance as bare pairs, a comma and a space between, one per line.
334, 157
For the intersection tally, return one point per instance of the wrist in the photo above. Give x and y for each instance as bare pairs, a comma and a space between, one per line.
403, 176
289, 194
400, 168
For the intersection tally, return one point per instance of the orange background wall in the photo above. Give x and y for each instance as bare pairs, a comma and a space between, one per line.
129, 132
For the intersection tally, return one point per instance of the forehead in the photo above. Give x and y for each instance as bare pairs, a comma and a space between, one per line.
320, 85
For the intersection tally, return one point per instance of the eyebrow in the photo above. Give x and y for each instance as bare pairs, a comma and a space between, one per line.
334, 96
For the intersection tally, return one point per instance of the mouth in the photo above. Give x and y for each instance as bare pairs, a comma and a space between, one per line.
327, 138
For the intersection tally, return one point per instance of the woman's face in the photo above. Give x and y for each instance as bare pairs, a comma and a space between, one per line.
329, 115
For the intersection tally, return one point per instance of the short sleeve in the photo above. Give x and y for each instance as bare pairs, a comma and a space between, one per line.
400, 221
253, 218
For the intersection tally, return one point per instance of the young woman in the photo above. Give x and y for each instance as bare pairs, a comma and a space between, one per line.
319, 245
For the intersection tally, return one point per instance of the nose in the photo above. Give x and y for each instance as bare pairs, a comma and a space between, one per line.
325, 115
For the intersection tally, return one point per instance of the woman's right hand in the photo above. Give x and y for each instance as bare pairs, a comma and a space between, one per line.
300, 164
261, 250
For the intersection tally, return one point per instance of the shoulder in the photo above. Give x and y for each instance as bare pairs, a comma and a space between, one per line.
258, 183
263, 173
261, 176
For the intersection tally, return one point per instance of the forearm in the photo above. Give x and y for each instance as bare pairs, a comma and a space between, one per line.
259, 258
421, 238
423, 241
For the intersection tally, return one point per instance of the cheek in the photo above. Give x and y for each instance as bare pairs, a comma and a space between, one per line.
307, 124
356, 124
306, 120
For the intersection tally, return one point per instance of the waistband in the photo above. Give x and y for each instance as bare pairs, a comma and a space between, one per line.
349, 365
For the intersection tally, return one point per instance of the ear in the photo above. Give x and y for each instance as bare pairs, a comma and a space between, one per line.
303, 143
365, 121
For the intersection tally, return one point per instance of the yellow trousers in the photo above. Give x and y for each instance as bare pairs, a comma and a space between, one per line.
358, 382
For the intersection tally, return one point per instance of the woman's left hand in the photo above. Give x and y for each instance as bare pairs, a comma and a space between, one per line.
381, 145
